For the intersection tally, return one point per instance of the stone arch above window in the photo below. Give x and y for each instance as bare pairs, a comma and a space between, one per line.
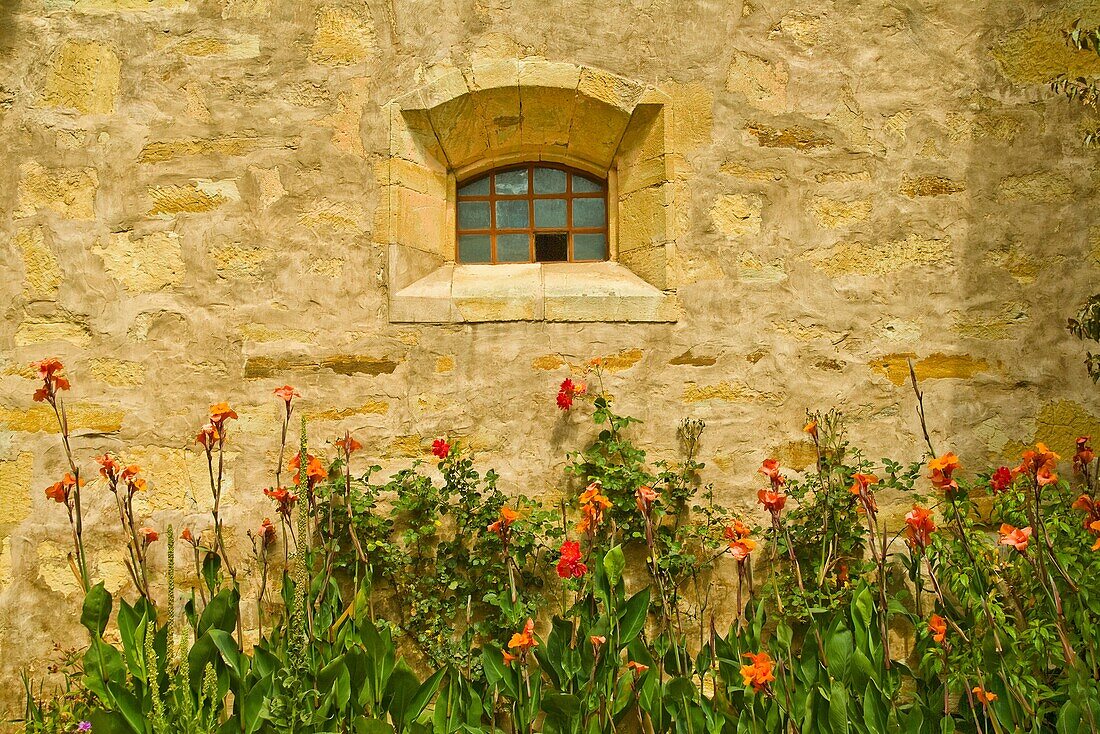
502, 113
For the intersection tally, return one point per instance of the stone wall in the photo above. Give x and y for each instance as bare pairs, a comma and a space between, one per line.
193, 212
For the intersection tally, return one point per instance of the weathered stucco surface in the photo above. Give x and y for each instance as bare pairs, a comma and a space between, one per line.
193, 211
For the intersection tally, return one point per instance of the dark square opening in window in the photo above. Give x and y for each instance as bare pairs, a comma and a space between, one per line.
551, 247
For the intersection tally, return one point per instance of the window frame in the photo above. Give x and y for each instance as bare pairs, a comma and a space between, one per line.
530, 197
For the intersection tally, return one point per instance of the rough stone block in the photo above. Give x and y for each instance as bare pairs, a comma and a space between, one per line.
84, 76
70, 192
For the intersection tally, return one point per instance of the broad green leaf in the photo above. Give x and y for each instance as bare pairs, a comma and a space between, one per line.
613, 564
97, 609
838, 708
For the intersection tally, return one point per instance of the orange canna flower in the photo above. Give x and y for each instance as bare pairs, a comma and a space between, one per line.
758, 673
148, 535
525, 640
592, 494
1045, 476
108, 468
593, 504
644, 498
770, 469
509, 658
811, 428
267, 533
48, 370
220, 413
937, 625
208, 436
1095, 527
983, 695
187, 535
736, 531
636, 668
772, 501
315, 471
1084, 455
740, 549
919, 527
57, 493
348, 445
286, 392
1018, 538
942, 471
597, 640
507, 517
284, 500
862, 489
1031, 462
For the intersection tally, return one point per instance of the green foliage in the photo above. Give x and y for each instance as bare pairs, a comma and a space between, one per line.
1086, 326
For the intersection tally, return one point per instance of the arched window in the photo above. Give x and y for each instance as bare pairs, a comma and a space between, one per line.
535, 212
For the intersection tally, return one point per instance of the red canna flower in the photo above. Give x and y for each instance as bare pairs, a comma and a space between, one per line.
441, 449
1000, 480
1018, 538
937, 625
773, 501
188, 536
942, 470
570, 565
568, 391
758, 673
148, 535
287, 393
644, 498
919, 527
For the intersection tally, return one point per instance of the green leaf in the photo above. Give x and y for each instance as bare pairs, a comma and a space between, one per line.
613, 564
220, 613
838, 708
97, 609
633, 618
1069, 719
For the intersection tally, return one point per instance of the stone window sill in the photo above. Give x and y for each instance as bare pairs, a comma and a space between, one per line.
569, 292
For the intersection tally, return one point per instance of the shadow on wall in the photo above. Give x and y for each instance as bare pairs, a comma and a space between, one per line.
8, 11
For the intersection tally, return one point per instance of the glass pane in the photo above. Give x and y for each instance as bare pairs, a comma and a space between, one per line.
549, 212
480, 187
549, 181
590, 246
473, 215
474, 248
589, 213
513, 214
582, 185
551, 247
512, 182
513, 248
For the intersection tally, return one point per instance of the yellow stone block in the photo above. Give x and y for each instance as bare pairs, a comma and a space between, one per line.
1038, 53
1048, 187
15, 488
728, 391
70, 192
42, 329
895, 367
178, 478
621, 360
643, 218
96, 7
762, 83
883, 258
833, 213
144, 264
197, 196
445, 364
117, 372
41, 271
234, 260
222, 145
737, 215
547, 362
84, 76
1060, 422
54, 569
82, 417
342, 37
371, 407
692, 115
332, 216
915, 186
